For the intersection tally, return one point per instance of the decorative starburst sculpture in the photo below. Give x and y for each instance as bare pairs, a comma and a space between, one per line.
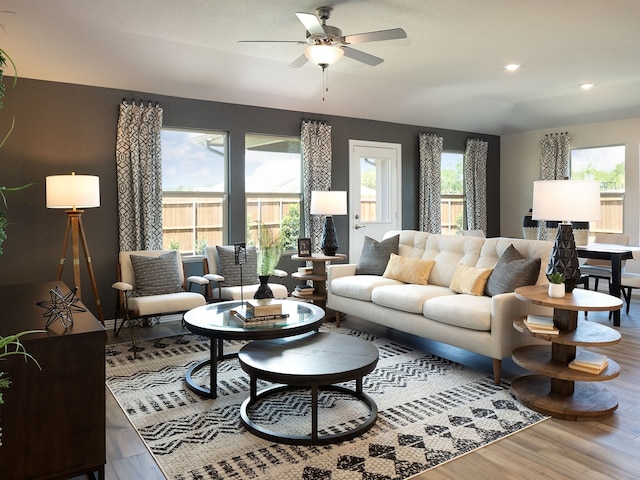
61, 307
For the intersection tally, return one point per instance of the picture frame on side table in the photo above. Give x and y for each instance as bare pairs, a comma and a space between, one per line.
304, 247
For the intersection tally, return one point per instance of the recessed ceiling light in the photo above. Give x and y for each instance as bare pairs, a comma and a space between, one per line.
512, 67
586, 86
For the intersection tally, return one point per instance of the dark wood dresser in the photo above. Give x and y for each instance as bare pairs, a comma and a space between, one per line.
53, 421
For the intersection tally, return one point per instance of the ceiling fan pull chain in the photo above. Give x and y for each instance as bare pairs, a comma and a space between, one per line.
325, 82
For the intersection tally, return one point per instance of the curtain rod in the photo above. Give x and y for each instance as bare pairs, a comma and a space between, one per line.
133, 101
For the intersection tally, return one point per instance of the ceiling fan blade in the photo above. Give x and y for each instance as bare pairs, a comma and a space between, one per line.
392, 34
298, 62
312, 24
273, 41
362, 57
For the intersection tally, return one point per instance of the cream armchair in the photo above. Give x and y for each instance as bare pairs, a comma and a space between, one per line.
224, 279
152, 283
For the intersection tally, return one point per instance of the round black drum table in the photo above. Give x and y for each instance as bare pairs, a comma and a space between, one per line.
316, 361
218, 322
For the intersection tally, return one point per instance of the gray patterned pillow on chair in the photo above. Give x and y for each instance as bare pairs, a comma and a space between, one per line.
231, 272
156, 275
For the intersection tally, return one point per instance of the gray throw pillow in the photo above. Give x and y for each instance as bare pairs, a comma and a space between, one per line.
375, 255
231, 272
156, 275
513, 270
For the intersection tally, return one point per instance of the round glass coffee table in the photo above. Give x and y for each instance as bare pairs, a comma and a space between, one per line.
217, 322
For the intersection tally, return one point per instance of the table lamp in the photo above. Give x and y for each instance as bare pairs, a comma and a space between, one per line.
566, 201
73, 193
329, 203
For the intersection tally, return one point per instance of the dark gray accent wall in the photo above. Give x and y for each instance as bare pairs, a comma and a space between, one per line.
63, 127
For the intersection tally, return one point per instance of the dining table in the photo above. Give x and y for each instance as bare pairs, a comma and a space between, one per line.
616, 254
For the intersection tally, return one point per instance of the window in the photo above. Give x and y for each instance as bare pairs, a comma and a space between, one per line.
273, 186
605, 165
452, 193
193, 189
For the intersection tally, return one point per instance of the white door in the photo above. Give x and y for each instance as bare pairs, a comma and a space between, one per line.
374, 192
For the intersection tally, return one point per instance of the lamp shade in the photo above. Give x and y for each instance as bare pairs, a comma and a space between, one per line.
566, 200
73, 191
328, 203
323, 55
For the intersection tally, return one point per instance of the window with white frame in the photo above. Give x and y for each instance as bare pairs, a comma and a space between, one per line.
606, 165
194, 189
452, 193
273, 187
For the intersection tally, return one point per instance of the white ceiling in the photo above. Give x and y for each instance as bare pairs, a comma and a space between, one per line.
448, 73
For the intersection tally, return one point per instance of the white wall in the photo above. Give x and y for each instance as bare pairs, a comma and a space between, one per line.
520, 166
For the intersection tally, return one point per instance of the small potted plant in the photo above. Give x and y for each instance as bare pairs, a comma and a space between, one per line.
556, 284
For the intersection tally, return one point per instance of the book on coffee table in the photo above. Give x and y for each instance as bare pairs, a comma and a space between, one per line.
247, 316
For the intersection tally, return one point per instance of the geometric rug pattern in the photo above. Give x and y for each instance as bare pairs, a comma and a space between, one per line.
430, 411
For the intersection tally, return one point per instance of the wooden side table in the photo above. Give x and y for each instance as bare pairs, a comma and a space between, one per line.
318, 277
558, 390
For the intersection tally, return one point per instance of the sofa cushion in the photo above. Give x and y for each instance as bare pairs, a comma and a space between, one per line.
359, 287
448, 251
513, 270
469, 280
375, 255
468, 311
407, 297
226, 259
156, 275
408, 270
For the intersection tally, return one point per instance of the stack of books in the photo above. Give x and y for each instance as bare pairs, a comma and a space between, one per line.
304, 289
305, 270
541, 324
590, 362
255, 311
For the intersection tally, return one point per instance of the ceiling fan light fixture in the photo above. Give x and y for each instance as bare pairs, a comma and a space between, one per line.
323, 55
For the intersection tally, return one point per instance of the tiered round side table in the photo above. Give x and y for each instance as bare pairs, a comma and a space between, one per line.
318, 277
556, 389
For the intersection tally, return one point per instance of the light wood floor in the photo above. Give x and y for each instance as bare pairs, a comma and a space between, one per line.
555, 449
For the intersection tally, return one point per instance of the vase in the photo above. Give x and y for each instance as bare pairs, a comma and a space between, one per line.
263, 290
556, 290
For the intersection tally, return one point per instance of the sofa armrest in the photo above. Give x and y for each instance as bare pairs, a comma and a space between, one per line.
340, 270
505, 308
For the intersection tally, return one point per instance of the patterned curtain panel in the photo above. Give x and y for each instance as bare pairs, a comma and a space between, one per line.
316, 173
475, 183
139, 174
554, 158
554, 165
430, 147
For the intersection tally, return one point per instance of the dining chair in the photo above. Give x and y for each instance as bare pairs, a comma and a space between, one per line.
473, 233
628, 282
601, 269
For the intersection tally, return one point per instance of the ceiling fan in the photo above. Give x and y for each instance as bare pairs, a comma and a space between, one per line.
326, 44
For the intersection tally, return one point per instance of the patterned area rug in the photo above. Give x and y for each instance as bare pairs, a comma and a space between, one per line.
430, 411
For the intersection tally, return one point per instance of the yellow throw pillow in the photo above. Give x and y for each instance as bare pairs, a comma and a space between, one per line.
408, 270
470, 280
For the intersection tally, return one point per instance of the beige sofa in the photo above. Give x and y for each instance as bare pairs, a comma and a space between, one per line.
478, 323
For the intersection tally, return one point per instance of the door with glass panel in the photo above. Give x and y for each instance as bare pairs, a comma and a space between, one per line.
374, 193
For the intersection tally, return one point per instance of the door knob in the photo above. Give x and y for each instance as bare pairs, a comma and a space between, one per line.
358, 226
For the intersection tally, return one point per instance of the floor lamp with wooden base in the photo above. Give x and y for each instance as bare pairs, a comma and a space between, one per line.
73, 193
